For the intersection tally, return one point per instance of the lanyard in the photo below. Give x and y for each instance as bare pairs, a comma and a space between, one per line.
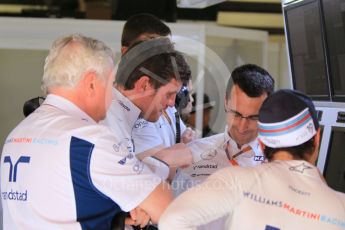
178, 126
166, 116
232, 160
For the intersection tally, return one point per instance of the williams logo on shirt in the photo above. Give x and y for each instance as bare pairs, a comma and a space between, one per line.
122, 161
125, 145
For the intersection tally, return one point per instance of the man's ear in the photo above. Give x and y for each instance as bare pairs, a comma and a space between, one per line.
89, 82
123, 49
317, 138
142, 84
315, 154
225, 102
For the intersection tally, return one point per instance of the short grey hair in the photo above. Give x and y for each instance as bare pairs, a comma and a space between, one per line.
72, 56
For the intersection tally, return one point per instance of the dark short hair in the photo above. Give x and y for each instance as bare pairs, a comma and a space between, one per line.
155, 58
185, 74
140, 24
298, 152
253, 80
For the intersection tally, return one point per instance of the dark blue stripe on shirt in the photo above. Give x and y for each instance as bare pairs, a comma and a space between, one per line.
94, 209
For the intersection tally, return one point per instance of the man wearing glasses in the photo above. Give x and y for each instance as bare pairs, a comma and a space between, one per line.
247, 88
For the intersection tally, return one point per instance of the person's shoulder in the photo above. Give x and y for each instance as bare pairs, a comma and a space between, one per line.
341, 195
95, 132
57, 120
216, 136
85, 129
217, 139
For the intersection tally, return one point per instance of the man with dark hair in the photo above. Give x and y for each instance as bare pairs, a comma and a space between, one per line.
165, 127
142, 27
289, 188
149, 134
247, 88
251, 79
170, 129
146, 85
148, 57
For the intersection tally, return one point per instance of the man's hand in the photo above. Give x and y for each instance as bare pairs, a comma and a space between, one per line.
138, 217
188, 135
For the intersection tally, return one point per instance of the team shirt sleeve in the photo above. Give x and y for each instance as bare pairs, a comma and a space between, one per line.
205, 148
118, 174
145, 136
202, 204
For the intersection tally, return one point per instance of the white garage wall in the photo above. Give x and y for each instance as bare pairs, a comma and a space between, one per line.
24, 43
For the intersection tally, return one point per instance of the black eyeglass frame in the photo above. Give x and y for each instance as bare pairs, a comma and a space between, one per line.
237, 114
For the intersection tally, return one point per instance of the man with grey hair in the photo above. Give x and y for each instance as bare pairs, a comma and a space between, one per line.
62, 170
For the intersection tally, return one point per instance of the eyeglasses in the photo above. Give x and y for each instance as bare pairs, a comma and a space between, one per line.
238, 115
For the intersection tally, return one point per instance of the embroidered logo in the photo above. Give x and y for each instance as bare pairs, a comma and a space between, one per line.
124, 106
300, 168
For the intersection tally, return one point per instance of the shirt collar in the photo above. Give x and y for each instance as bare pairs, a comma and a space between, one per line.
253, 144
129, 110
300, 167
67, 106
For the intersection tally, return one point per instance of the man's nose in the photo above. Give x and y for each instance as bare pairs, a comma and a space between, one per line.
171, 101
242, 124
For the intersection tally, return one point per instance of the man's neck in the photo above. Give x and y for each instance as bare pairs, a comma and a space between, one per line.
283, 156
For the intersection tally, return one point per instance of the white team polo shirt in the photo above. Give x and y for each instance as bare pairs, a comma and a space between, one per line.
282, 195
61, 170
209, 155
123, 117
162, 134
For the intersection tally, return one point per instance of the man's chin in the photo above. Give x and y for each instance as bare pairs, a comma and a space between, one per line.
240, 139
243, 141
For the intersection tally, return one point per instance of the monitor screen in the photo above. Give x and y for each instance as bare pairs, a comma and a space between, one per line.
334, 17
306, 49
334, 170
